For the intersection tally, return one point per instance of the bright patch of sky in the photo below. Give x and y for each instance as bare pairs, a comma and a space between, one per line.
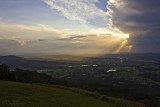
56, 27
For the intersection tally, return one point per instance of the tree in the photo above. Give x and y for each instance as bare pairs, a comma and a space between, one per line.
4, 72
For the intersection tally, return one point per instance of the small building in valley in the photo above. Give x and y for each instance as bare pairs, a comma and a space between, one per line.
112, 70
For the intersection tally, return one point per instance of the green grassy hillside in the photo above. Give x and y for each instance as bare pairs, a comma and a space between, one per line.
14, 94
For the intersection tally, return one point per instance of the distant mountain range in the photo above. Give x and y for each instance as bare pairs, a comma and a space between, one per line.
20, 62
54, 60
137, 55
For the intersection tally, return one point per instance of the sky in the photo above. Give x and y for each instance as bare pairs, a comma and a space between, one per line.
79, 27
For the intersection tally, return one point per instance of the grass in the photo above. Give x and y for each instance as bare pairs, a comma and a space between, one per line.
13, 94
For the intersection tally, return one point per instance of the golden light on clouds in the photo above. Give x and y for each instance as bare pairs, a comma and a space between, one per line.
78, 42
54, 41
124, 44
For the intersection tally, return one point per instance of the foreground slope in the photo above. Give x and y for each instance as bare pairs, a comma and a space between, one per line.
28, 95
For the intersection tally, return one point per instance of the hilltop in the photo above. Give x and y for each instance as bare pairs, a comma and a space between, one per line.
29, 95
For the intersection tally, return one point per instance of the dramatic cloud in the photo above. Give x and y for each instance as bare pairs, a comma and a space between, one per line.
79, 26
23, 33
42, 39
81, 10
73, 37
139, 18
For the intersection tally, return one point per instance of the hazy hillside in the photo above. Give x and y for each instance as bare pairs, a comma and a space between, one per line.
19, 62
27, 95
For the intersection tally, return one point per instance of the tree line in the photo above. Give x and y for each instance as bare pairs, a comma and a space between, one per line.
19, 75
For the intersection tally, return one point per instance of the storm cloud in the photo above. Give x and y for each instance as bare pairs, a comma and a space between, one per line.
139, 18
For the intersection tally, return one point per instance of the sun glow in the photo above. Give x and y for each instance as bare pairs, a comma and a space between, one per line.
125, 36
124, 47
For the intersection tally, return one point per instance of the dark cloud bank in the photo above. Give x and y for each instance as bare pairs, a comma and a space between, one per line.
141, 19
